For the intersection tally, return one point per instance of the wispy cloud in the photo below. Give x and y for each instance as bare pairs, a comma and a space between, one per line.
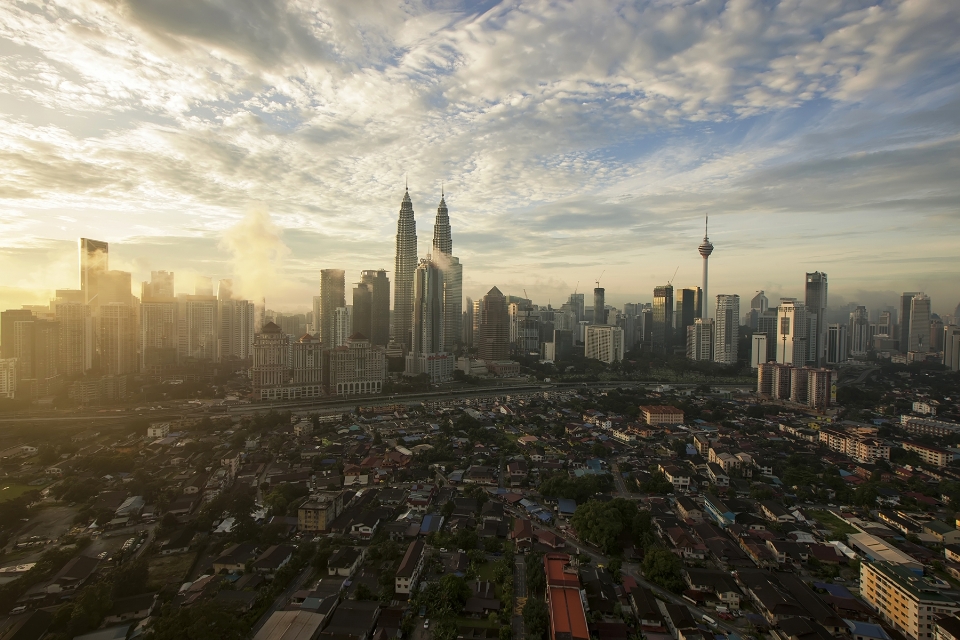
569, 135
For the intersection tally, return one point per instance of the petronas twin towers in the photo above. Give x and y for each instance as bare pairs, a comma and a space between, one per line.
428, 293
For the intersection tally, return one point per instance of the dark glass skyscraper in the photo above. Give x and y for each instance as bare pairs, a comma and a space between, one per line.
816, 301
403, 275
332, 297
663, 319
494, 339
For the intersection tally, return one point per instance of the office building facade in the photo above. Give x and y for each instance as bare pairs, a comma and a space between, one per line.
604, 343
727, 329
494, 327
332, 297
816, 302
662, 334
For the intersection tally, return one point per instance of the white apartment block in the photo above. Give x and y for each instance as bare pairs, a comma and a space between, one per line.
604, 343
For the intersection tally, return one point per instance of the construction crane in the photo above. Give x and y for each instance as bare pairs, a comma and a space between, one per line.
576, 287
598, 279
670, 281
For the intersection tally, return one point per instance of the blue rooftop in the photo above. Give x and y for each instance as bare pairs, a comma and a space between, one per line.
565, 506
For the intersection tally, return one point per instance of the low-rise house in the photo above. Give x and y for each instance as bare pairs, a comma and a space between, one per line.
717, 475
271, 560
719, 583
131, 608
944, 533
345, 561
775, 512
689, 510
410, 567
178, 543
235, 557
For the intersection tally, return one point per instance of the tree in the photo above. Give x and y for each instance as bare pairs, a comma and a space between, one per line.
533, 568
663, 567
536, 618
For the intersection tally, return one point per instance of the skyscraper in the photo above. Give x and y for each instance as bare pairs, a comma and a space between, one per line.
236, 329
689, 308
836, 343
160, 285
919, 339
494, 329
603, 342
76, 336
758, 350
793, 332
576, 303
857, 334
379, 283
599, 306
663, 318
442, 240
428, 316
760, 302
452, 278
727, 329
197, 328
404, 272
467, 324
158, 321
8, 320
906, 302
332, 297
705, 249
94, 260
816, 300
118, 339
951, 347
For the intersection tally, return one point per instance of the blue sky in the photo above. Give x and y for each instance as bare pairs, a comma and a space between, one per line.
267, 139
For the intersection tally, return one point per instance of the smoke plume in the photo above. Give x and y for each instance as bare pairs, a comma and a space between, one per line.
258, 253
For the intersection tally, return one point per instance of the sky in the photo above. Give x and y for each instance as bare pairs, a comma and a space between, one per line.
265, 140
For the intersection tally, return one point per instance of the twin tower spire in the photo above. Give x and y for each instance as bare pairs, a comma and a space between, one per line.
406, 262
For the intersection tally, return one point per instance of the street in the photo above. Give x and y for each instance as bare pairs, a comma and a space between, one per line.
519, 595
283, 598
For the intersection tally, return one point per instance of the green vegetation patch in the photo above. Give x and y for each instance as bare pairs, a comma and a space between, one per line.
830, 520
10, 491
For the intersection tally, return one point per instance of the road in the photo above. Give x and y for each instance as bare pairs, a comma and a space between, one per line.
330, 405
283, 599
618, 480
519, 592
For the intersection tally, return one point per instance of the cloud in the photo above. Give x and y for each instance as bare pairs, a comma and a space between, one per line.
570, 136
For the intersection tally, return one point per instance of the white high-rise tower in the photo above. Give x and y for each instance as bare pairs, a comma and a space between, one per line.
705, 248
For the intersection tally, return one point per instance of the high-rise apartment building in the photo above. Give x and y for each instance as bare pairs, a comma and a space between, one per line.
727, 329
903, 600
77, 337
816, 301
159, 286
858, 334
197, 328
342, 326
237, 319
836, 343
793, 332
494, 327
604, 343
906, 303
404, 274
663, 318
919, 336
36, 346
159, 314
758, 349
8, 320
8, 378
307, 363
332, 297
118, 339
768, 322
700, 340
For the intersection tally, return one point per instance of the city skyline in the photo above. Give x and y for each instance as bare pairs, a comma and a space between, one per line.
829, 150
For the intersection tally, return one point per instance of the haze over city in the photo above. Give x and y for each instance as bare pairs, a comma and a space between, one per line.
266, 141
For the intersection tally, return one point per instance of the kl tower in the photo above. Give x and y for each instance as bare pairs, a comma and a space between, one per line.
705, 248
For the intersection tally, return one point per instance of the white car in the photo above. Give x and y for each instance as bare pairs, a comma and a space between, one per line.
426, 623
